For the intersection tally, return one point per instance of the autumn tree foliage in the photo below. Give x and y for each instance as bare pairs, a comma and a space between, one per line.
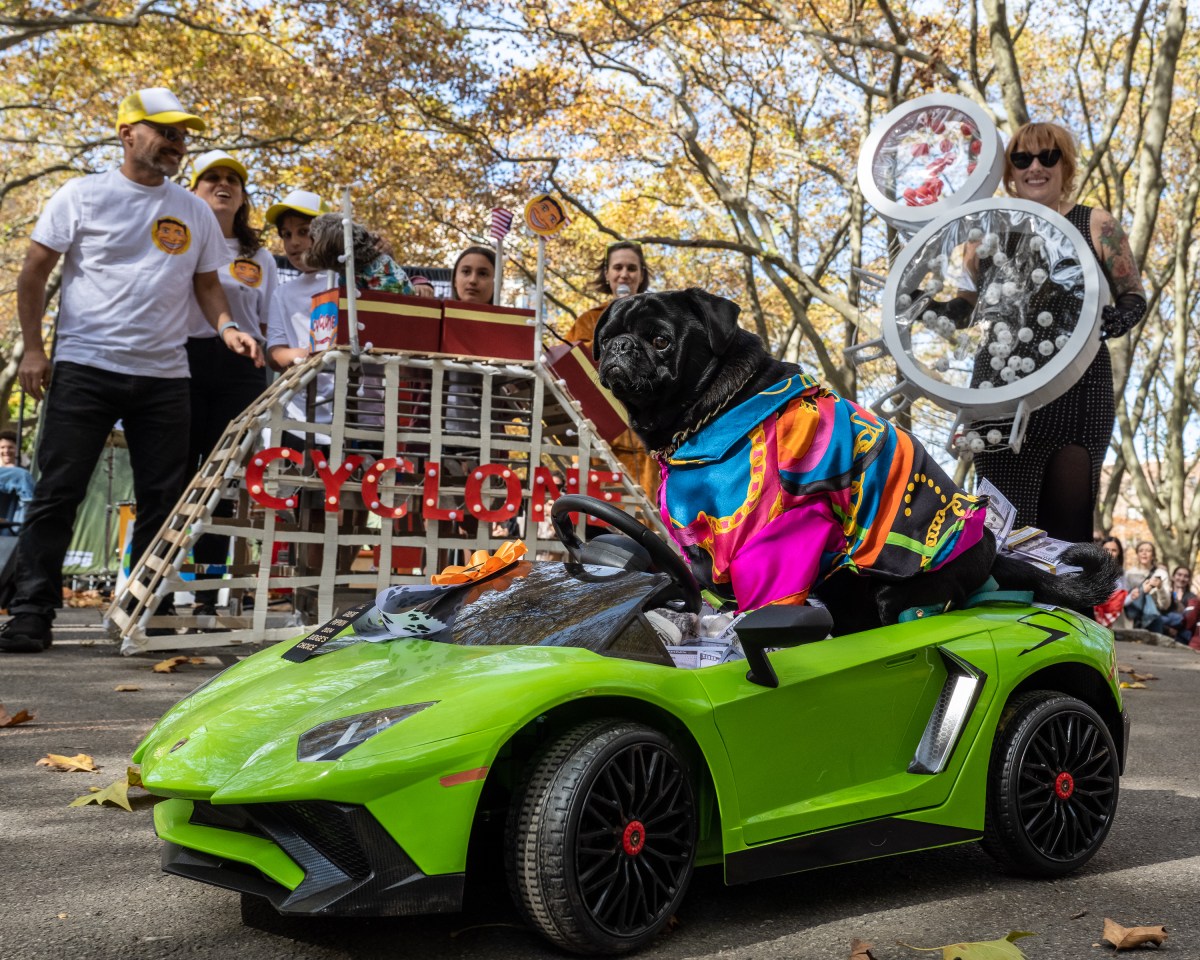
723, 136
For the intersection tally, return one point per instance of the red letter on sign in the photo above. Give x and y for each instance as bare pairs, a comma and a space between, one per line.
474, 491
332, 479
429, 506
254, 476
370, 487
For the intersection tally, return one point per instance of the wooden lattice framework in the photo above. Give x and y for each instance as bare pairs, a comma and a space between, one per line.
432, 409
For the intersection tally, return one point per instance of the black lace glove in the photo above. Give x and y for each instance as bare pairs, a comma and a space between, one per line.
1119, 318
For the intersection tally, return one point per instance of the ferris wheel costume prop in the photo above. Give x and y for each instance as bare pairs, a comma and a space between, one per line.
993, 306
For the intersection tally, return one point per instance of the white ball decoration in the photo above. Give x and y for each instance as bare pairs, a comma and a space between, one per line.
1000, 258
1045, 348
993, 295
1025, 335
945, 325
999, 325
1005, 348
1009, 289
972, 435
1004, 336
994, 436
1038, 276
977, 444
974, 235
1008, 375
929, 316
997, 363
1037, 244
1060, 341
993, 348
960, 442
966, 456
1045, 318
985, 385
903, 301
942, 365
991, 240
1014, 363
1027, 364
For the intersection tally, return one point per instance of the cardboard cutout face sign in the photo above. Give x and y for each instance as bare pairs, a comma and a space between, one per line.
545, 216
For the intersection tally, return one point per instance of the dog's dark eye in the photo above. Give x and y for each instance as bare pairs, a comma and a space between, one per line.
660, 343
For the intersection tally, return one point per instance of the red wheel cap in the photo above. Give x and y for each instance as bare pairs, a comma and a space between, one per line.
634, 838
1064, 785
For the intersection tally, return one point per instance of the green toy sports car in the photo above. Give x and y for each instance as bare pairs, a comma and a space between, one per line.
347, 773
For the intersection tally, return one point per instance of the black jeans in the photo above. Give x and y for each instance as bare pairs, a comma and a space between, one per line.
223, 384
81, 408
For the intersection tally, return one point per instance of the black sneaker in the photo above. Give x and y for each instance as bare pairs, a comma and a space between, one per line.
26, 633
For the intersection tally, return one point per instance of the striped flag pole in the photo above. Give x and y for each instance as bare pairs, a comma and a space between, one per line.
350, 273
501, 223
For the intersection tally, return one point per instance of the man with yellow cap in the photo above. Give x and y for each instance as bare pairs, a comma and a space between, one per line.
136, 249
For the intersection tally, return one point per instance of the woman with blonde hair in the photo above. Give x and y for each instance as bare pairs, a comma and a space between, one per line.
1054, 482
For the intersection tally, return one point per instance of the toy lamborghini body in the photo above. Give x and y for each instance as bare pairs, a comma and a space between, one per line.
347, 774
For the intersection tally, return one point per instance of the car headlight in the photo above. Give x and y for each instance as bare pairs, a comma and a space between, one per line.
332, 740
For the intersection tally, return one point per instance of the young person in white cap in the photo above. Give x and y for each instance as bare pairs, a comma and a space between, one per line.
223, 383
288, 330
136, 249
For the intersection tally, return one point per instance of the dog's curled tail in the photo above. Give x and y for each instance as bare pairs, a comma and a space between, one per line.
1076, 591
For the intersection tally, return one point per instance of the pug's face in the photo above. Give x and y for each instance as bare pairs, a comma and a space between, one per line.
659, 352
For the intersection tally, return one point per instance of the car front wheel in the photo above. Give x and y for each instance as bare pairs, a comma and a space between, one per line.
602, 837
1052, 787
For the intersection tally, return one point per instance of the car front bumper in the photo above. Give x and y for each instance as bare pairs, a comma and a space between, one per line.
307, 858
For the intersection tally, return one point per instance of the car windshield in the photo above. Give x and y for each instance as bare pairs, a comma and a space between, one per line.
526, 604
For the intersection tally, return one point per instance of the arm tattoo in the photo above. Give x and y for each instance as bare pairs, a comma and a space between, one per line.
1117, 259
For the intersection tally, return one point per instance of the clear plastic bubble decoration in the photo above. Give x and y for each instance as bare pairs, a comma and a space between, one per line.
993, 308
927, 156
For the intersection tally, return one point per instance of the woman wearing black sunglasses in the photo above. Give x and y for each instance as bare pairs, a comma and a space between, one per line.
1054, 481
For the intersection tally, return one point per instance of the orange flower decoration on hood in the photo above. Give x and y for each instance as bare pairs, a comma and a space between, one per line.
483, 564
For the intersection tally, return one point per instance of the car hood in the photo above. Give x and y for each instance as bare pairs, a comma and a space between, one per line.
245, 724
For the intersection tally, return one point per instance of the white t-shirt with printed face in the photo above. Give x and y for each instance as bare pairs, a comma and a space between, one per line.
289, 326
249, 284
130, 253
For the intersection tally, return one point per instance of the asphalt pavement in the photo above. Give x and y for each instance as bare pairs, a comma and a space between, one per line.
84, 883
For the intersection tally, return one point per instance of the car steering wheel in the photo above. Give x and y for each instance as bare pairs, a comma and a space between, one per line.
664, 558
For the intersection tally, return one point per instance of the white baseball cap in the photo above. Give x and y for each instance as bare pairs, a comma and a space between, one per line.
217, 158
298, 201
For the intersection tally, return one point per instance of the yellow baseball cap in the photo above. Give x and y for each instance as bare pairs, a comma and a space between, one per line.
298, 201
158, 105
217, 158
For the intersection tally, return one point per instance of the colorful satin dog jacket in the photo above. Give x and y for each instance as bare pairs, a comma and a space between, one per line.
796, 483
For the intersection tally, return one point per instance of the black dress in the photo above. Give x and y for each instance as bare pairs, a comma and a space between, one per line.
1082, 416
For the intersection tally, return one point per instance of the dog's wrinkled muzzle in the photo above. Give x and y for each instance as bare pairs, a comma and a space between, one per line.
618, 363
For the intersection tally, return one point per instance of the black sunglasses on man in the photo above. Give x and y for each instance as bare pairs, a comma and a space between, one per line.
173, 134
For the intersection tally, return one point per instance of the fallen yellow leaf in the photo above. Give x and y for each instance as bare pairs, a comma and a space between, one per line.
116, 792
1126, 938
125, 688
861, 950
21, 716
1125, 685
168, 666
985, 950
134, 776
81, 762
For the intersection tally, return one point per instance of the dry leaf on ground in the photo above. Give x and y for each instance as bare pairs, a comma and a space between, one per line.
11, 720
985, 950
116, 792
861, 950
86, 598
168, 666
1126, 938
81, 762
125, 688
1125, 685
1139, 677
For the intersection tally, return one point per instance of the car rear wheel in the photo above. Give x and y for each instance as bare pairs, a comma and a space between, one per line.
602, 837
1052, 787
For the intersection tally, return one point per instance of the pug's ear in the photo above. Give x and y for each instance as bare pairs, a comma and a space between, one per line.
598, 331
719, 316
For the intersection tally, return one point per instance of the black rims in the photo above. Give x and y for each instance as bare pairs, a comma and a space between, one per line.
602, 842
1053, 785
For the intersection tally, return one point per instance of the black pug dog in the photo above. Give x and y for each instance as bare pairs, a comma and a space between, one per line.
678, 361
